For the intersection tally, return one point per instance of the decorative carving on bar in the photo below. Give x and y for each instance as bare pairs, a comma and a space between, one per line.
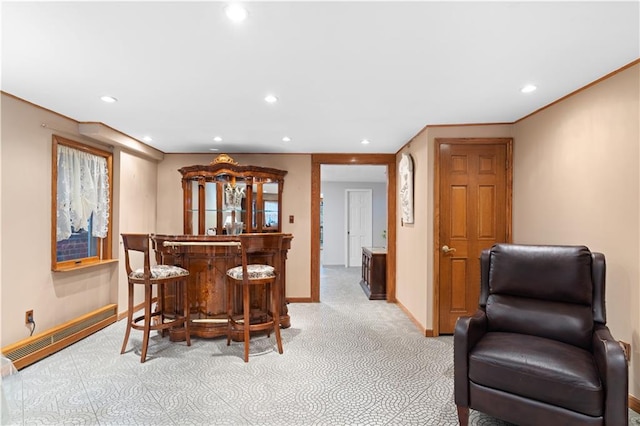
224, 158
207, 258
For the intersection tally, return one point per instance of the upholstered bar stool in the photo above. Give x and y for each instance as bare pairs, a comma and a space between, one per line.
260, 255
158, 276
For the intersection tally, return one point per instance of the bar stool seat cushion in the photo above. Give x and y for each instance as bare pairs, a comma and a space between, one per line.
256, 272
161, 271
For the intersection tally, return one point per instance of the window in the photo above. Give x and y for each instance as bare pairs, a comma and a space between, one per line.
81, 205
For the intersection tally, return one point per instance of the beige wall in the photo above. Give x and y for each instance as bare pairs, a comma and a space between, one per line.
27, 281
138, 183
577, 181
296, 201
413, 265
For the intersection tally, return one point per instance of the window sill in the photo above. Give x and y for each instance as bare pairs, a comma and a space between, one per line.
84, 265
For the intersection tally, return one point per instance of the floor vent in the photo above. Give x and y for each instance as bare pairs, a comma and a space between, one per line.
32, 349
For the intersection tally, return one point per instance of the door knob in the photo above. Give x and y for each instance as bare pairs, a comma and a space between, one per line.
446, 249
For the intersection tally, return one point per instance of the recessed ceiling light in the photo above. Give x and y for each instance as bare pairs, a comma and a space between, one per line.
286, 139
147, 138
217, 139
214, 149
270, 99
365, 142
528, 88
109, 99
236, 12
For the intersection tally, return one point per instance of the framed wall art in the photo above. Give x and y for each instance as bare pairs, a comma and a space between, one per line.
406, 188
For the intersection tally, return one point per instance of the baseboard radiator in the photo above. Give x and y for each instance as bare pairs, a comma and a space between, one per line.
35, 348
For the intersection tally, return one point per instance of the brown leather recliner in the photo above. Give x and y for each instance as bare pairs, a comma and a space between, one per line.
538, 351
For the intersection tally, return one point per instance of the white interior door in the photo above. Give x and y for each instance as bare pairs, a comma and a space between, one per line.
359, 226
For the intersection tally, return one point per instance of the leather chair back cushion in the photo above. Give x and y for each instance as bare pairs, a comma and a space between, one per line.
557, 273
563, 322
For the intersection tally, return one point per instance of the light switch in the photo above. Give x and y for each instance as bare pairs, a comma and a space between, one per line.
290, 218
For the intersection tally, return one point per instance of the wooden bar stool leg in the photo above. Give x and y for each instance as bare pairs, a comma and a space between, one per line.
267, 299
230, 290
247, 321
159, 317
129, 319
186, 310
160, 302
147, 321
275, 299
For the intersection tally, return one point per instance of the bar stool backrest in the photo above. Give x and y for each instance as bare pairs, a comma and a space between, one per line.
265, 248
138, 243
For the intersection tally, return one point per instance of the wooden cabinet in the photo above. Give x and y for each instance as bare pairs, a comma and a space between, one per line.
374, 272
225, 198
221, 200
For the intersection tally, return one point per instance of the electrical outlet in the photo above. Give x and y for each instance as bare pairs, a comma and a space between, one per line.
28, 317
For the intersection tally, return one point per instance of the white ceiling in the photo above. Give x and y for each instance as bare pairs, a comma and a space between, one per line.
343, 71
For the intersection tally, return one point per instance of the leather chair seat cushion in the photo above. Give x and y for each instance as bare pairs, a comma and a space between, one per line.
540, 369
160, 272
255, 272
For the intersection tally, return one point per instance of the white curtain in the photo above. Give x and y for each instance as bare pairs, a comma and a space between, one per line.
83, 190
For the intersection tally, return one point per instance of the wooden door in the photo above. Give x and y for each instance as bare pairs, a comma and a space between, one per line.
474, 211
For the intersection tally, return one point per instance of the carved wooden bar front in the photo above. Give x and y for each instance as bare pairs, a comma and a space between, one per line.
207, 258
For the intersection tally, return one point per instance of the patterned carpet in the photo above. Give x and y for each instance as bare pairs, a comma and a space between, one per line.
346, 361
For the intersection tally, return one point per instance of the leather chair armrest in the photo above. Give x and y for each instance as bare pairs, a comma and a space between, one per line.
468, 331
613, 369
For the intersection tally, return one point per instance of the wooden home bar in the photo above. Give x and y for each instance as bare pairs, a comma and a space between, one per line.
220, 201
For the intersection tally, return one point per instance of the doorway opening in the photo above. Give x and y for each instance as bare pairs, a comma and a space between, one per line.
322, 219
